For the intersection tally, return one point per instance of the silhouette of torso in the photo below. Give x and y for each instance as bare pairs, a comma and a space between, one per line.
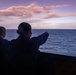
25, 52
4, 48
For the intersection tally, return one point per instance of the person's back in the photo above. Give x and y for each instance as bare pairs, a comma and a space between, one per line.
26, 50
4, 47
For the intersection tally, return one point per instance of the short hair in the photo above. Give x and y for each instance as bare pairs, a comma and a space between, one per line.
2, 30
25, 26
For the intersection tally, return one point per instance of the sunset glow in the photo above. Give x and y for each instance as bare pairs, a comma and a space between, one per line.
41, 14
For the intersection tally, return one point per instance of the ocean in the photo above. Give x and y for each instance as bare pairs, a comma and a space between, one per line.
60, 41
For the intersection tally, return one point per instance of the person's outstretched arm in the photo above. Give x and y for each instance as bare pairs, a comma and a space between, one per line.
41, 39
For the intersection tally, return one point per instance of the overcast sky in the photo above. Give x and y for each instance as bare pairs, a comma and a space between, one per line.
41, 14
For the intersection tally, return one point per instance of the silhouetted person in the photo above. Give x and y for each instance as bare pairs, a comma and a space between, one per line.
4, 48
26, 50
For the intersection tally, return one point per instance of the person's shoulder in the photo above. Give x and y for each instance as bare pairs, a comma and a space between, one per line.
33, 38
13, 40
5, 40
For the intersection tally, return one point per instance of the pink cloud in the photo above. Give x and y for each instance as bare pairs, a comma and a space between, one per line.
24, 11
28, 11
51, 16
58, 15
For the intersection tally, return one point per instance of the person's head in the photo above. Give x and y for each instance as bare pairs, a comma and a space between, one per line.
26, 27
2, 31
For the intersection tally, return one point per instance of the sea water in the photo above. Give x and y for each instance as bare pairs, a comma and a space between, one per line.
60, 41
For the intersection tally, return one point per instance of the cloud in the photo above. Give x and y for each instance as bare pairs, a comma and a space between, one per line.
25, 11
51, 16
28, 11
34, 14
59, 15
60, 6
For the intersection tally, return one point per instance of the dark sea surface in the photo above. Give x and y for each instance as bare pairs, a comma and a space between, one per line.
60, 41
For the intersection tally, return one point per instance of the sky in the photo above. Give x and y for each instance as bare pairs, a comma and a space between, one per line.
41, 14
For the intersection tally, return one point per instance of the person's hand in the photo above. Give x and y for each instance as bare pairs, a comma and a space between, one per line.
47, 32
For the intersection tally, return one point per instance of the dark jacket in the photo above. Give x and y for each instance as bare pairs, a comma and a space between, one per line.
25, 52
4, 49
